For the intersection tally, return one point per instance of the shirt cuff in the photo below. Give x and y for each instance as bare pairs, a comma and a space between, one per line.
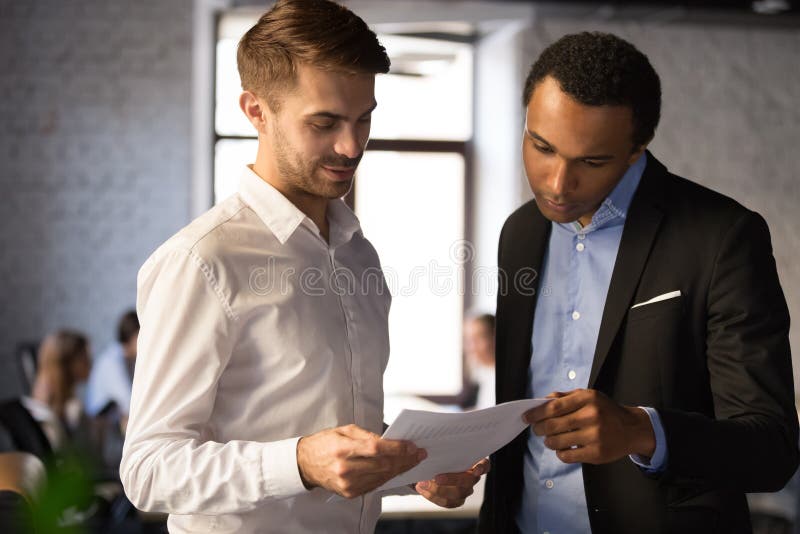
658, 462
279, 469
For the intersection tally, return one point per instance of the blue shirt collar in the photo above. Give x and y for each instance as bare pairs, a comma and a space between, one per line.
614, 208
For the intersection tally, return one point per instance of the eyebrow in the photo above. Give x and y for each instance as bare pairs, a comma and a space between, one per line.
336, 116
601, 157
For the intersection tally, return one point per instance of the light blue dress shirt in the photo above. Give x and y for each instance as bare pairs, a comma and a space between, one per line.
109, 381
576, 272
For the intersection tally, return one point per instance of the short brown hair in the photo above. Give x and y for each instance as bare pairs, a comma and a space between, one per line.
317, 32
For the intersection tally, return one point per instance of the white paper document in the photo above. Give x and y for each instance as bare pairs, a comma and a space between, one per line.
456, 441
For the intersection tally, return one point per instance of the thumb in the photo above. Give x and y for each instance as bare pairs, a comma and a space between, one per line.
356, 432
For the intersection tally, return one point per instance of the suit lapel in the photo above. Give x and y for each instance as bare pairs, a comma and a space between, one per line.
529, 241
641, 225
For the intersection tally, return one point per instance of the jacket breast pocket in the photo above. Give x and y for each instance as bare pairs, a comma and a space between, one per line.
655, 309
650, 339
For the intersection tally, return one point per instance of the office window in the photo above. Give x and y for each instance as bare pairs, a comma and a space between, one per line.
410, 192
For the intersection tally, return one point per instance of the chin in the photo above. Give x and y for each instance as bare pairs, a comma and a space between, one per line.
555, 216
337, 189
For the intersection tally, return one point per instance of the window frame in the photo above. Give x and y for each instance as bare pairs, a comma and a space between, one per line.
464, 148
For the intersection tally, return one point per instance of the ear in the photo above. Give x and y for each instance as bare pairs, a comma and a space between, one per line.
255, 110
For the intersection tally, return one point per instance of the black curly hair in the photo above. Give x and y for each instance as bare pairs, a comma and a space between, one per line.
601, 69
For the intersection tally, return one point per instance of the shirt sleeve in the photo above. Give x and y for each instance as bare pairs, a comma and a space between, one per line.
658, 461
171, 462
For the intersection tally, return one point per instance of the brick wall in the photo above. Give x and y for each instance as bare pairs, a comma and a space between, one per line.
94, 157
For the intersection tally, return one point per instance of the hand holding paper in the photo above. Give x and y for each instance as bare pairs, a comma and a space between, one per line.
455, 442
585, 425
351, 461
450, 490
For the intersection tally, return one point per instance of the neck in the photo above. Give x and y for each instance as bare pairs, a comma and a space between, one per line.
314, 207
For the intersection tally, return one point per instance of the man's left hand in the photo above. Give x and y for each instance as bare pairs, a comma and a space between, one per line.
450, 490
584, 425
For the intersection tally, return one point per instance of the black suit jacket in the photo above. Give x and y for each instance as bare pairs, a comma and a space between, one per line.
714, 362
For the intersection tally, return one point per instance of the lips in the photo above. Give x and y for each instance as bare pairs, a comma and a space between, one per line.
559, 207
340, 173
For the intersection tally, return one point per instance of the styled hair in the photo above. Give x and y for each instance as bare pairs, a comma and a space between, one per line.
320, 33
598, 69
128, 326
59, 353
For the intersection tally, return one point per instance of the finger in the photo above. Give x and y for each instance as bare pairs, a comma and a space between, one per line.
543, 411
481, 468
373, 446
359, 475
446, 493
583, 417
577, 438
562, 404
356, 432
589, 455
354, 469
401, 464
445, 496
359, 486
457, 479
536, 414
393, 447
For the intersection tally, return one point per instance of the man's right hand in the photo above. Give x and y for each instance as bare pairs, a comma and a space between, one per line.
351, 461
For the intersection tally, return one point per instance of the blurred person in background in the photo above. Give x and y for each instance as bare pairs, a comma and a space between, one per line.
64, 363
80, 494
477, 391
112, 373
479, 357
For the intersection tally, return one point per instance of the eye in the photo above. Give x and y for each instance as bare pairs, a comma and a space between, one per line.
594, 164
543, 149
323, 126
365, 119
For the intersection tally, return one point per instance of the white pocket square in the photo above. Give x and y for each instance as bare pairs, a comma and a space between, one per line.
665, 296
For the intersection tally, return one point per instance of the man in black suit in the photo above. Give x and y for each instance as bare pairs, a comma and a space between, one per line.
656, 325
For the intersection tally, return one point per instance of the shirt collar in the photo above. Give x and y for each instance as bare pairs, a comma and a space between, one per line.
282, 217
620, 198
614, 208
342, 221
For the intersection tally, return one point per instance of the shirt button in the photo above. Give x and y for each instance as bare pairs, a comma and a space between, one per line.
581, 236
549, 484
571, 375
579, 247
575, 316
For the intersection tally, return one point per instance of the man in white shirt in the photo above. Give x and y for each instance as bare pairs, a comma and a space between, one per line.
264, 334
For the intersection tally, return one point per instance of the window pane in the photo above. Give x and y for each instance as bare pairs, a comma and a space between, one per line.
411, 207
427, 94
228, 118
230, 156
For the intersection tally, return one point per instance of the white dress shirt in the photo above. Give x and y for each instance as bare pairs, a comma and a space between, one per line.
254, 332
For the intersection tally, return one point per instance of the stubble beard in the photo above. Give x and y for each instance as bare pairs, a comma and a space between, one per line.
304, 176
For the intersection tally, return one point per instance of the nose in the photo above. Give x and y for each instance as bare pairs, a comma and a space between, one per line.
561, 180
349, 143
